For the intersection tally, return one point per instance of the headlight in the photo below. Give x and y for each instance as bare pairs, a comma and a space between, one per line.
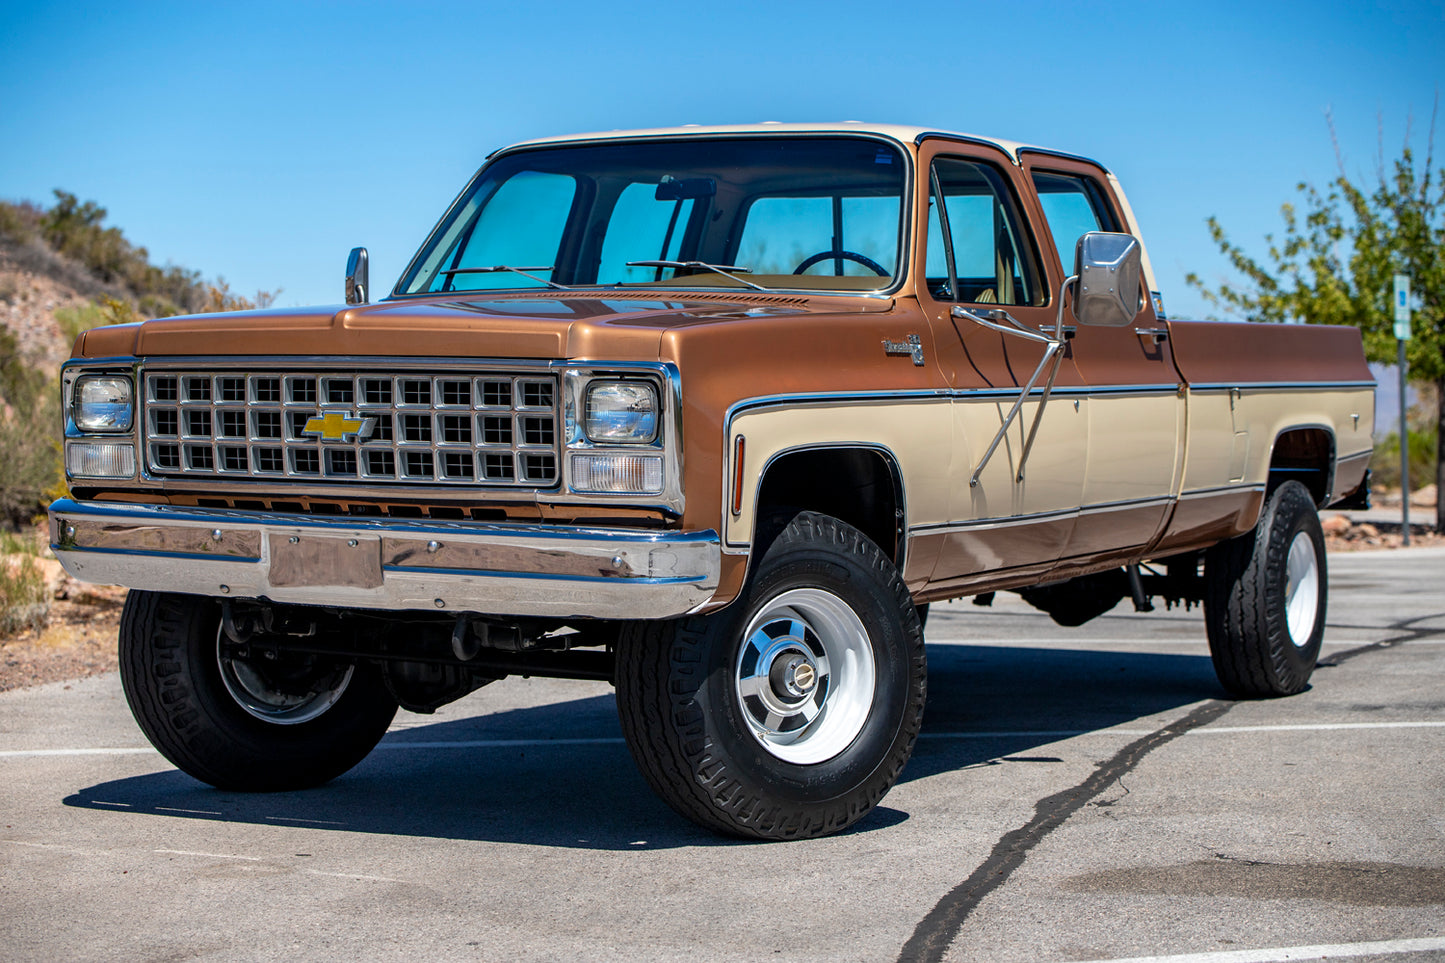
621, 412
102, 403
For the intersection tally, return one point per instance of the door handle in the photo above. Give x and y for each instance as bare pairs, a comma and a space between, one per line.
1158, 334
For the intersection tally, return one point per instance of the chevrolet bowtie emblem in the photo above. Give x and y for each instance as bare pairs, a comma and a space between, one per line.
338, 425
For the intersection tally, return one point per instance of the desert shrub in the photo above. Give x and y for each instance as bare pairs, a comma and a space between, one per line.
24, 596
29, 429
1385, 462
1420, 423
80, 317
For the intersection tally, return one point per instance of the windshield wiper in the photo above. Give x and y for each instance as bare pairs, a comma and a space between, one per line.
499, 268
726, 270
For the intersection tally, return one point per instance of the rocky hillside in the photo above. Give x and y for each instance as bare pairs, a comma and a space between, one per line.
62, 270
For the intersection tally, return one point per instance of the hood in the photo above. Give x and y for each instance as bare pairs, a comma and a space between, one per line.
583, 325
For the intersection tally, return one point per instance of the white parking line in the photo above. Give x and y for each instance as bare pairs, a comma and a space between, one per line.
14, 753
187, 852
261, 859
409, 745
1315, 727
1324, 951
1055, 642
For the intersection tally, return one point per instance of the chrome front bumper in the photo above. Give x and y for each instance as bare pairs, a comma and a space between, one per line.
393, 564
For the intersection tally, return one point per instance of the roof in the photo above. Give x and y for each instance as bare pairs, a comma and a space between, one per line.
899, 132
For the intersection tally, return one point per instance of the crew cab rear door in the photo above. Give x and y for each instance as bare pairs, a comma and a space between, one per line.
1134, 396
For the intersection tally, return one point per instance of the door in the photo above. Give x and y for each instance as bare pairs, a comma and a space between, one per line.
1135, 401
979, 256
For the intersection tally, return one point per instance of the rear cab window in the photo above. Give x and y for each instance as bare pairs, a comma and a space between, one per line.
1073, 205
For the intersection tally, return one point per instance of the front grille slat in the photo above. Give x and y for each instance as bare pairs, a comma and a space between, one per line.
469, 428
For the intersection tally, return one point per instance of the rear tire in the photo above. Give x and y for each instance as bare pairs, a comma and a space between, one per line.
1264, 601
792, 712
247, 725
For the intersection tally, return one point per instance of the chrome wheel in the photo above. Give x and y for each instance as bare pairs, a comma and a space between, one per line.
805, 676
1302, 588
285, 691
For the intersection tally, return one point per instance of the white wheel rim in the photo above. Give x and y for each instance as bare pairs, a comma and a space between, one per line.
805, 676
259, 698
1302, 589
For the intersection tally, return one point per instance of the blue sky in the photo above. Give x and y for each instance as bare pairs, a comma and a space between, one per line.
262, 141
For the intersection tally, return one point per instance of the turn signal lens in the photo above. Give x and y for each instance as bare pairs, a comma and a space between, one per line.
87, 460
619, 474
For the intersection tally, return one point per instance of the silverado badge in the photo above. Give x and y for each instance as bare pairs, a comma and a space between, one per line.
912, 347
338, 426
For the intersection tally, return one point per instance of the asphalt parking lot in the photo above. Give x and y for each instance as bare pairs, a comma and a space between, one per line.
1077, 794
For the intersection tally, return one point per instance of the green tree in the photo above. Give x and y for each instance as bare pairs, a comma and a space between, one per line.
1336, 266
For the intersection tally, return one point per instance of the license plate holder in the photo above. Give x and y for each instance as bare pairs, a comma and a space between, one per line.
325, 561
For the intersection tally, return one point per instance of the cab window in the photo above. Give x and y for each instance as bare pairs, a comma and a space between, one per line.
1073, 206
992, 260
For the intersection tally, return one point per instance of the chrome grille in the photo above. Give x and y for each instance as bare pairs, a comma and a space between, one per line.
456, 429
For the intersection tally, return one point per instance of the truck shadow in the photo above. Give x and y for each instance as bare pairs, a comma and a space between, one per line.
560, 775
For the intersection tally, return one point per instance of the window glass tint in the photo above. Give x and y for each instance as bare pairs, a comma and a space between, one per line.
642, 228
992, 260
782, 233
520, 225
1072, 206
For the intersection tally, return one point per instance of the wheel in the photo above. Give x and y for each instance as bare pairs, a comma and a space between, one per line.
792, 712
247, 724
864, 260
1264, 599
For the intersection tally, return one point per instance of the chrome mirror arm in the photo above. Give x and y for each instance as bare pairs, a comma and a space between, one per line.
1053, 351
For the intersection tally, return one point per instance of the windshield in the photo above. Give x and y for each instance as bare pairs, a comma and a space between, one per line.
768, 212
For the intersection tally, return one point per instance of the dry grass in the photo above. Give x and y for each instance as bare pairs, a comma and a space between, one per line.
79, 640
51, 626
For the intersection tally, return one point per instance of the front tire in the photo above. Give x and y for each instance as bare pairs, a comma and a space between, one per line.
1264, 601
792, 712
244, 724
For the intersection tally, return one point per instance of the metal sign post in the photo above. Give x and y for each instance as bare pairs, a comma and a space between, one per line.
1402, 334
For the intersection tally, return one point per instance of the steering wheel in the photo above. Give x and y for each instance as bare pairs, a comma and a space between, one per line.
867, 262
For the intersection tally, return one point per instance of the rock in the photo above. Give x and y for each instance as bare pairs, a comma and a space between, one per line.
1335, 525
1366, 531
1425, 497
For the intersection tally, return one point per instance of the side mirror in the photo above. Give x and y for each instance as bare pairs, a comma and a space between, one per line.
1107, 266
357, 282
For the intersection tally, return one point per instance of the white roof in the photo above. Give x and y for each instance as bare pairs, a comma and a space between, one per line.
900, 132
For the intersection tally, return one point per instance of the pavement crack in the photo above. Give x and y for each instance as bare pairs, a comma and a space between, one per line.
1405, 631
933, 934
936, 931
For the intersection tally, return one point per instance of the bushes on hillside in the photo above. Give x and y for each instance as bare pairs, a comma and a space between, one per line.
29, 433
76, 231
70, 244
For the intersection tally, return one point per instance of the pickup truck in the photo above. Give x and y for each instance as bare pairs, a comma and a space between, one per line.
712, 414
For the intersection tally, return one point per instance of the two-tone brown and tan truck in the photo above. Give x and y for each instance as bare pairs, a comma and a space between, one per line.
713, 414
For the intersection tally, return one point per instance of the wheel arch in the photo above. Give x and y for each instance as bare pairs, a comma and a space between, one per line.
858, 483
1305, 453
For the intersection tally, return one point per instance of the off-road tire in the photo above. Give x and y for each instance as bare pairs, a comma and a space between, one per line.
1246, 599
172, 680
685, 723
